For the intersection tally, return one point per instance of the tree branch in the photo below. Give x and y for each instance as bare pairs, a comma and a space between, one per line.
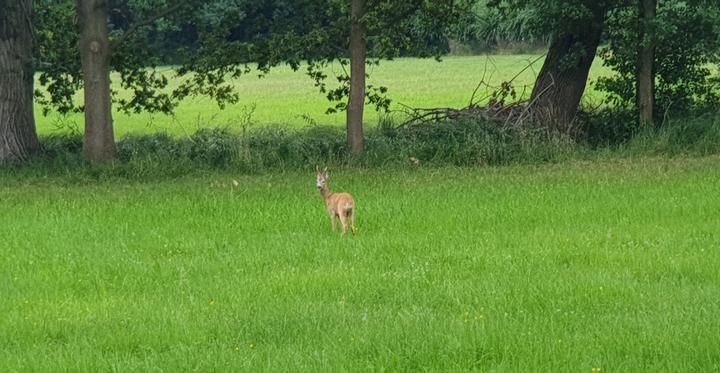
146, 22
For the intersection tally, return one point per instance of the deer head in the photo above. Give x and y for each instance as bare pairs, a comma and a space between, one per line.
321, 177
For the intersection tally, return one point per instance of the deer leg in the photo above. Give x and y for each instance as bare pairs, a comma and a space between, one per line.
353, 229
343, 222
332, 219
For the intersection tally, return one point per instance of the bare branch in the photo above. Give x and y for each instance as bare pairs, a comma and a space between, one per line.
534, 100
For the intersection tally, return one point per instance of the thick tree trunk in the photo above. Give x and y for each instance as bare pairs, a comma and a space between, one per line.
645, 78
99, 141
560, 85
356, 102
18, 138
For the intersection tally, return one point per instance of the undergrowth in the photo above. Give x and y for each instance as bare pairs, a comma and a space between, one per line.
459, 143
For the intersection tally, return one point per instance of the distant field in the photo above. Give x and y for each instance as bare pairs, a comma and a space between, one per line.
579, 267
289, 98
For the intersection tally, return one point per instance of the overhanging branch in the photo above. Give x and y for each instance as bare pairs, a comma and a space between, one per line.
146, 22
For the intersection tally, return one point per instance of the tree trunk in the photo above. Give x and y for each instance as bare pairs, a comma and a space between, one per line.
18, 138
356, 101
99, 141
645, 78
560, 85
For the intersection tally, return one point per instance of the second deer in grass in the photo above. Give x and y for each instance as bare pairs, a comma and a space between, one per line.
339, 205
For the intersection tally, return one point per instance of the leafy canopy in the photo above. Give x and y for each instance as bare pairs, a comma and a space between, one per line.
686, 36
214, 41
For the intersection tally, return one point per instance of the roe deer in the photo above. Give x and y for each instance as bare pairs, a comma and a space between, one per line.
339, 205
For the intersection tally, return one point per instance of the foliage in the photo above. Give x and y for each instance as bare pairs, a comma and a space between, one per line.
223, 39
316, 31
687, 39
540, 19
495, 25
57, 56
460, 143
133, 25
686, 136
214, 147
617, 129
284, 97
468, 142
608, 126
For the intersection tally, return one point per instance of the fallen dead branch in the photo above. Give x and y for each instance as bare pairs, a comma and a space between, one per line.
497, 103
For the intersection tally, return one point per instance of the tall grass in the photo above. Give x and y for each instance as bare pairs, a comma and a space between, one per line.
692, 136
569, 267
467, 143
278, 148
210, 250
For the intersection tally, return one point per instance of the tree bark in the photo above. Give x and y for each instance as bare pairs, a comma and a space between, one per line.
99, 141
18, 139
645, 78
356, 101
560, 85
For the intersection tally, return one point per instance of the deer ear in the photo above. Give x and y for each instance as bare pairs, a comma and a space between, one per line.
317, 168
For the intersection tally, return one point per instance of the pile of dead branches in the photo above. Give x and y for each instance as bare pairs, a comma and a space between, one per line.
498, 104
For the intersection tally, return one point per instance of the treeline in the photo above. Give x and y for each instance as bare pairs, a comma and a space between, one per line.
662, 52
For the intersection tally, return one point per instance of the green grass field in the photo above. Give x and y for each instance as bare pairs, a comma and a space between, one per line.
285, 97
572, 267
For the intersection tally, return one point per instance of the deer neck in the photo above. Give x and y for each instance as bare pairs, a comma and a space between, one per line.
325, 192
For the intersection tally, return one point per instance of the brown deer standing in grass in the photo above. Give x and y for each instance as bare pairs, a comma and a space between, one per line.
339, 205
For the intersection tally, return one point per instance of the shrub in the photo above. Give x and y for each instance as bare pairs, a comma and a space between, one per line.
459, 142
161, 147
465, 142
696, 136
686, 37
608, 127
215, 147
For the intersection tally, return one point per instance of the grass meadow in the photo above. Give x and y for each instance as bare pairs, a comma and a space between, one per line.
288, 98
578, 266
